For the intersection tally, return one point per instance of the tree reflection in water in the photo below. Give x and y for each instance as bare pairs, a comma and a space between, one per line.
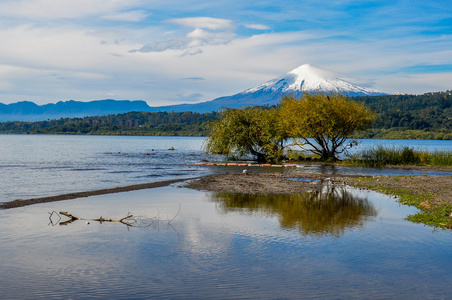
329, 212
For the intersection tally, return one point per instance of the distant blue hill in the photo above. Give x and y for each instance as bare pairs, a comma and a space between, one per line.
29, 111
236, 101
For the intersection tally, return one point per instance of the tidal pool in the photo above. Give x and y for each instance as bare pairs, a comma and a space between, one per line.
340, 243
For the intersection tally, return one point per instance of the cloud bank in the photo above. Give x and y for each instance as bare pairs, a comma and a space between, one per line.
208, 31
171, 52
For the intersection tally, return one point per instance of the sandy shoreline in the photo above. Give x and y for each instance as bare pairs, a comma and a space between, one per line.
253, 183
265, 183
20, 203
438, 188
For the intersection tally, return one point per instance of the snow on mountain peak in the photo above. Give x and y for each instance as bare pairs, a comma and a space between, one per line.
307, 78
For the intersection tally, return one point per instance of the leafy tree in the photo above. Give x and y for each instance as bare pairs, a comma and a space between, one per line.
240, 132
322, 123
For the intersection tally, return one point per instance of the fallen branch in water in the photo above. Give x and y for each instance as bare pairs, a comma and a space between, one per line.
129, 220
100, 219
73, 218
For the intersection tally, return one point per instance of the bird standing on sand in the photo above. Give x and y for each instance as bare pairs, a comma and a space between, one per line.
245, 172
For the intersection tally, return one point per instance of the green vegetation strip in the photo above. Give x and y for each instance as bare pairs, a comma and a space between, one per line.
432, 213
380, 155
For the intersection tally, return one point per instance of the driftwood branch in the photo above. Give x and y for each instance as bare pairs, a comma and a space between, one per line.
129, 220
101, 219
65, 213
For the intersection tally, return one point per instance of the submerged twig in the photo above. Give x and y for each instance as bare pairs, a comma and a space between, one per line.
169, 222
51, 220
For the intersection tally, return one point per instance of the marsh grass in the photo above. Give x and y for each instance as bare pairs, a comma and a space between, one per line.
379, 156
438, 215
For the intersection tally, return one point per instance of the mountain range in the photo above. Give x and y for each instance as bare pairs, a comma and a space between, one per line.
304, 79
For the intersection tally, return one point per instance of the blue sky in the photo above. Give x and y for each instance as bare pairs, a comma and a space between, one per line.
171, 52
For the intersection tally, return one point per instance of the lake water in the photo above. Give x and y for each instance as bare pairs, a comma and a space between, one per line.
343, 244
47, 165
183, 244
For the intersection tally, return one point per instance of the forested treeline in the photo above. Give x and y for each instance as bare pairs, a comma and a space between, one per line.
144, 123
411, 116
427, 116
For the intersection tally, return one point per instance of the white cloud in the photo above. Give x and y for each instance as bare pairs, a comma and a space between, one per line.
130, 16
190, 96
257, 26
192, 42
57, 50
204, 22
199, 37
174, 44
418, 84
192, 51
50, 9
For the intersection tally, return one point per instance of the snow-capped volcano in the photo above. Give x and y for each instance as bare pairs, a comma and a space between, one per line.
309, 79
304, 79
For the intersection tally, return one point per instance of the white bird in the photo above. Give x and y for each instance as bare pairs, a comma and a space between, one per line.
245, 172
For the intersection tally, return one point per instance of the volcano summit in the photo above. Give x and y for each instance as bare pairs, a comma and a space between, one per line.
304, 79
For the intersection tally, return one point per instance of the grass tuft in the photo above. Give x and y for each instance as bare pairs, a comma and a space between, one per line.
438, 215
380, 156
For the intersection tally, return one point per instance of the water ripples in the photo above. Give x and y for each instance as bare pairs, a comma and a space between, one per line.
216, 254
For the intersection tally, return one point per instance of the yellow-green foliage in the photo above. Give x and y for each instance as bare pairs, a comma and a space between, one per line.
328, 119
254, 131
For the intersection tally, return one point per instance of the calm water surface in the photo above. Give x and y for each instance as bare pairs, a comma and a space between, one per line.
36, 166
46, 165
340, 244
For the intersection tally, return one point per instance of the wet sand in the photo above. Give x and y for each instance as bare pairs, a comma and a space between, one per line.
264, 183
278, 183
440, 187
20, 203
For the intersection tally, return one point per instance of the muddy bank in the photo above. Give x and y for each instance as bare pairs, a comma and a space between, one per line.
439, 187
20, 203
262, 183
436, 189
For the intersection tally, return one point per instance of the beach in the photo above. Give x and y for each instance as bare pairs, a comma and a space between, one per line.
438, 187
